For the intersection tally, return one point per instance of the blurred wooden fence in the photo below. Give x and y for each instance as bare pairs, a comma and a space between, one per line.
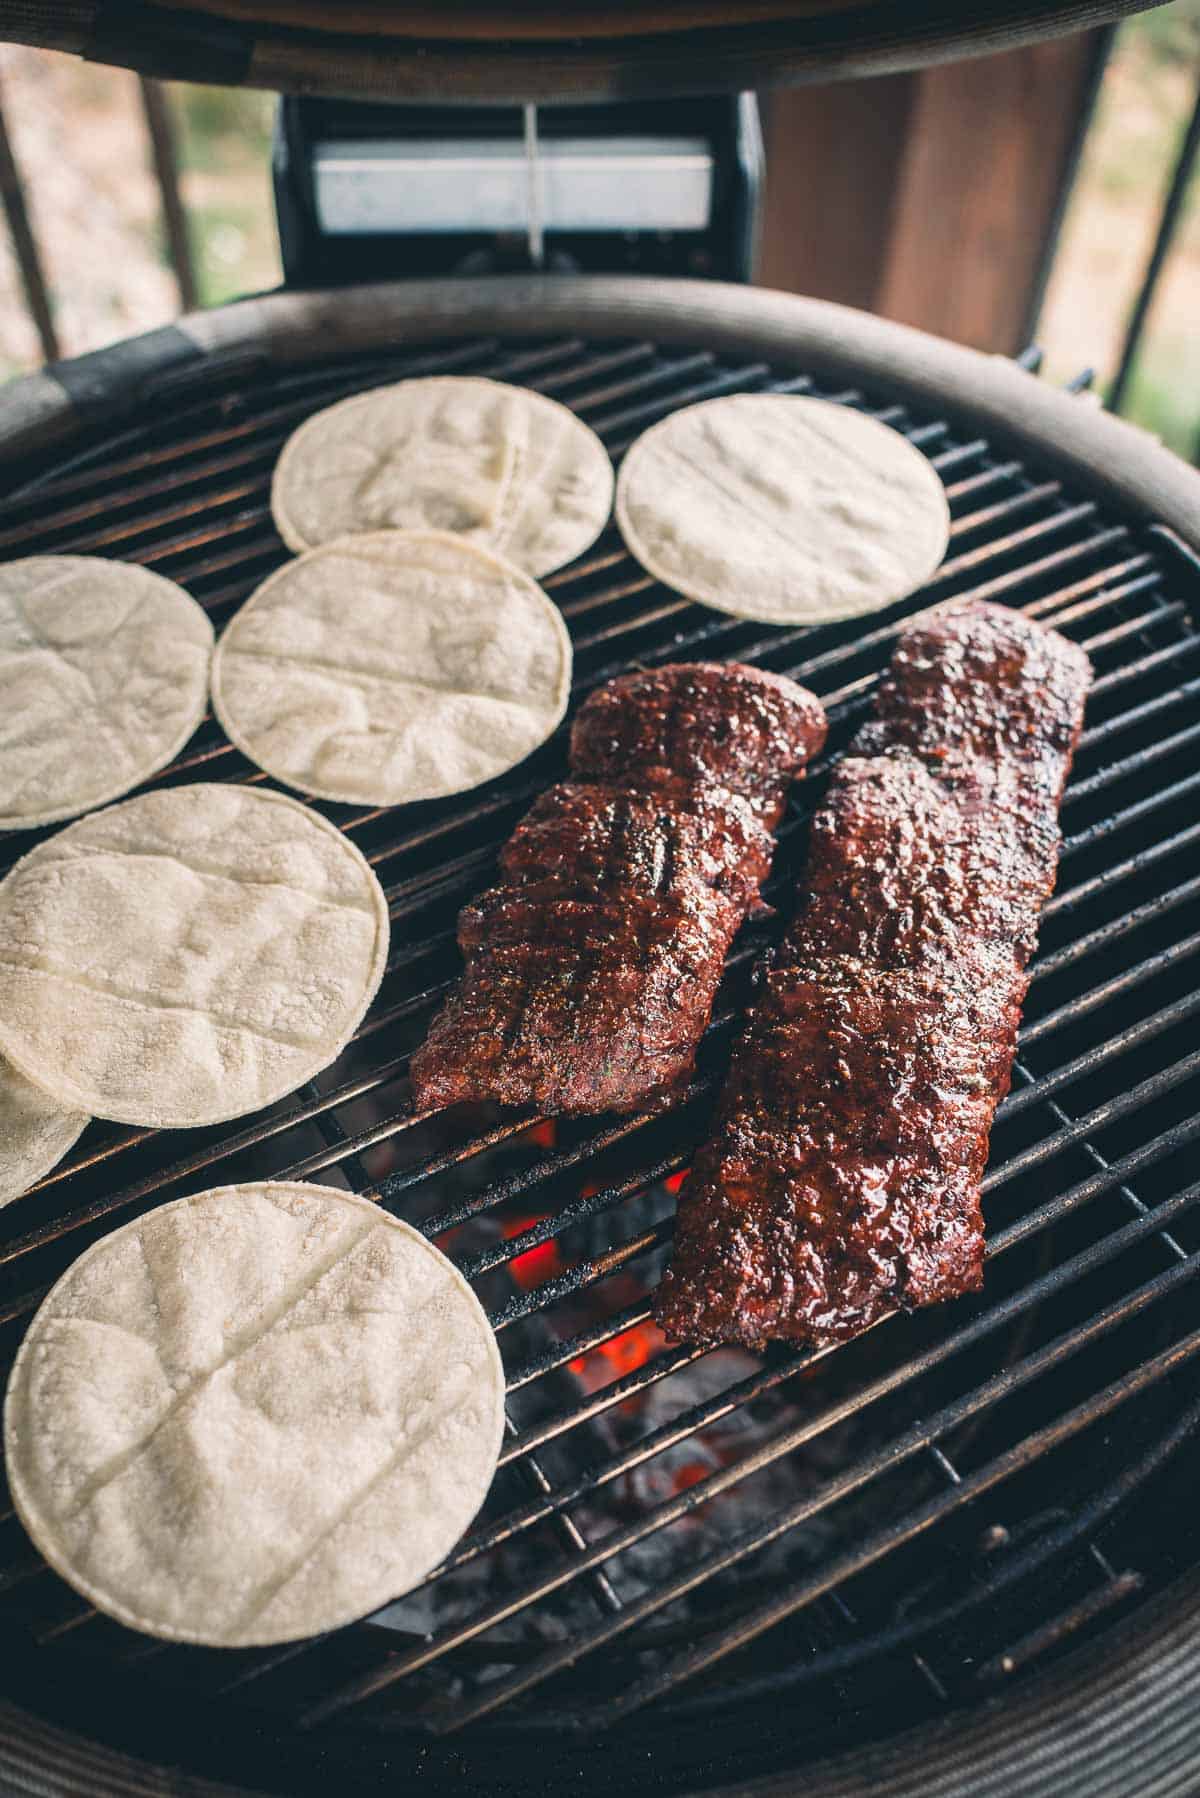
933, 197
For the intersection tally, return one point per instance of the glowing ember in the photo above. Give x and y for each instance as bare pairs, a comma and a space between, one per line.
690, 1474
536, 1265
620, 1355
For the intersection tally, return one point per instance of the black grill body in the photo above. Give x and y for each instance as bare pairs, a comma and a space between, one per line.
312, 256
962, 1546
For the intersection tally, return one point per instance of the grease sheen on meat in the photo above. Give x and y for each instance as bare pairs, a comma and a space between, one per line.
842, 1179
592, 967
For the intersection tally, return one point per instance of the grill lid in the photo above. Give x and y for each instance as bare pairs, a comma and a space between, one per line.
717, 1565
467, 50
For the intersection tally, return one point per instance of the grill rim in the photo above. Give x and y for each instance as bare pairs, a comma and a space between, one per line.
288, 329
1069, 1729
219, 47
1065, 1734
42, 411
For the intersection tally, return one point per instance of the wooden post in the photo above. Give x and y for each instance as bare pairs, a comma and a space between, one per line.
833, 156
989, 148
928, 197
166, 167
25, 246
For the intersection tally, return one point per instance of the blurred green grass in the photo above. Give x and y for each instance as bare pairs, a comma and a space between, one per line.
1170, 32
224, 144
1145, 101
224, 127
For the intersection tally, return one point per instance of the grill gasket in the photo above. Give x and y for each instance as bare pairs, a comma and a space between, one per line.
1138, 576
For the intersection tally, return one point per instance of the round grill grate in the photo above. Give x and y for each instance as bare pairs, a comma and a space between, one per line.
883, 1536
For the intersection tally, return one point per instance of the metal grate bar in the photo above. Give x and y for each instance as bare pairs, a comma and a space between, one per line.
888, 634
1107, 934
1121, 871
188, 493
617, 1392
1147, 664
991, 476
1153, 1087
989, 590
962, 452
1157, 751
1138, 714
1064, 1428
1099, 1056
950, 570
1052, 1211
1004, 508
584, 1274
391, 1188
1101, 1162
502, 1191
735, 381
923, 1434
1130, 814
1074, 1009
572, 1348
668, 1511
1031, 1646
1145, 583
595, 399
1073, 1132
587, 1205
531, 1471
655, 1442
1132, 626
254, 1134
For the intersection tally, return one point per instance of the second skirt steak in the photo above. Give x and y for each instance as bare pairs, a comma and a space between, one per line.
843, 1176
592, 967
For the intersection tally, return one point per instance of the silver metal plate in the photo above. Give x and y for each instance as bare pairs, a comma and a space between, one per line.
586, 184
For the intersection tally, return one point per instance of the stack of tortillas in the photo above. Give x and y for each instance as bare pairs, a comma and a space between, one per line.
187, 956
503, 467
103, 678
256, 1414
104, 671
253, 1415
391, 667
35, 1132
409, 653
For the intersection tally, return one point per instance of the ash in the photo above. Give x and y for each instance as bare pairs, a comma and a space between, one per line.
639, 1491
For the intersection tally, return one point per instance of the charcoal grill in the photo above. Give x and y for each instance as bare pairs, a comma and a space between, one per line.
959, 1555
